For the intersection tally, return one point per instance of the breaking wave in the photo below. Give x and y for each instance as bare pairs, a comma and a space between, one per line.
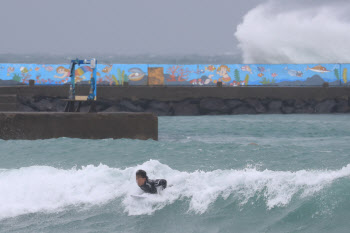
47, 189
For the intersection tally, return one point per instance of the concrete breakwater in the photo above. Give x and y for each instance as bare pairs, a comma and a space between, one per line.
191, 100
193, 107
45, 125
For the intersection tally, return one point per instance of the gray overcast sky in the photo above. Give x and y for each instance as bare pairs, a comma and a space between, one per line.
129, 27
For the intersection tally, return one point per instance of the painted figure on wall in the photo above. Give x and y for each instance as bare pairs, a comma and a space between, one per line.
79, 73
222, 72
65, 73
24, 72
136, 74
204, 80
345, 75
247, 69
210, 68
319, 69
10, 70
107, 69
294, 72
109, 78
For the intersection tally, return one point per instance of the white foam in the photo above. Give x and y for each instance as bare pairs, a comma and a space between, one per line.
47, 189
296, 32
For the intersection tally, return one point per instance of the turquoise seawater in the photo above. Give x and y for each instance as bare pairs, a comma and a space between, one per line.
244, 173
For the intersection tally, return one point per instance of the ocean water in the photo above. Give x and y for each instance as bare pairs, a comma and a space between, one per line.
244, 173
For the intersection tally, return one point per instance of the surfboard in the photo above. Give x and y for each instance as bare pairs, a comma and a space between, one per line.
138, 196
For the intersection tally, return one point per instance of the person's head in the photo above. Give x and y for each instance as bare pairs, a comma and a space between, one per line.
141, 177
61, 70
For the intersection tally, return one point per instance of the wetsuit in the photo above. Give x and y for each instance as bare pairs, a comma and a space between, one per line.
152, 186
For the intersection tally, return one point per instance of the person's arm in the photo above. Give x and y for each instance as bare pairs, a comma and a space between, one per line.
147, 187
161, 183
153, 186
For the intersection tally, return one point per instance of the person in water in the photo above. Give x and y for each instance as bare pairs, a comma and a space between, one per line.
147, 185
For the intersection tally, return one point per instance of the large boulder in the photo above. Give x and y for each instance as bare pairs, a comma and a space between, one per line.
287, 109
299, 103
289, 102
159, 108
288, 106
58, 104
127, 105
208, 105
233, 103
342, 106
44, 105
185, 108
326, 106
257, 105
275, 106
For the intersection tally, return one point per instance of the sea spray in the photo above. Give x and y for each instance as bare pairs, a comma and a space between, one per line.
296, 32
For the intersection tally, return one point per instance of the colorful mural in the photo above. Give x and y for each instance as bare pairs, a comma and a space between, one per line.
194, 75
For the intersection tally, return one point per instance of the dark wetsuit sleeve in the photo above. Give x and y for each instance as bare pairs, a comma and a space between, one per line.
151, 186
161, 182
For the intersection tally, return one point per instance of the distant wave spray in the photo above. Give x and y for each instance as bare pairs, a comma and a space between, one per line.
296, 32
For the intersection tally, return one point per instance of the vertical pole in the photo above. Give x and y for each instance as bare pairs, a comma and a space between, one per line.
92, 93
72, 81
95, 71
73, 84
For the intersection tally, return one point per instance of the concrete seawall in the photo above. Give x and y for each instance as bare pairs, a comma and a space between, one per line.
46, 125
178, 93
187, 100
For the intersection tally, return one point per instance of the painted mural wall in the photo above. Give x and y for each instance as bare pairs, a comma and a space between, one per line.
167, 74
